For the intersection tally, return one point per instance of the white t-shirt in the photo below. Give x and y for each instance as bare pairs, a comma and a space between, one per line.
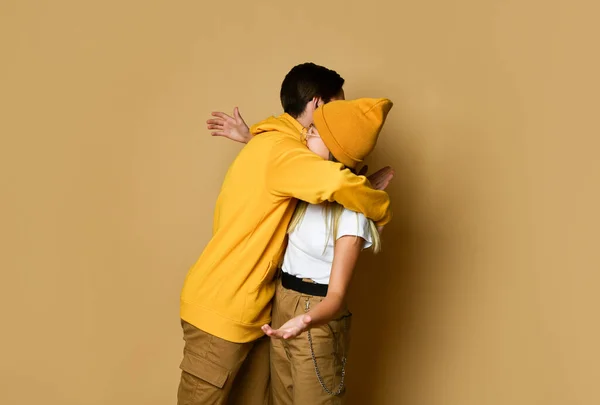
307, 255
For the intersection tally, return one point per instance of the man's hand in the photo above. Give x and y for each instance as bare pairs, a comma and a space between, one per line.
230, 127
290, 329
380, 179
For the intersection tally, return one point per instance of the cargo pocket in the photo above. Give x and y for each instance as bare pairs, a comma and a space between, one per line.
200, 377
342, 331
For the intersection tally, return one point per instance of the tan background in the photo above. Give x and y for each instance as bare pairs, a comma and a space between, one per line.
487, 290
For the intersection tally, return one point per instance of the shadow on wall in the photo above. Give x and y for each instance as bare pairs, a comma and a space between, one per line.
384, 293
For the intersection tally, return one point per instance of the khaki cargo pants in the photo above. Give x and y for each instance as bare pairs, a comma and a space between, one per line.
219, 372
293, 377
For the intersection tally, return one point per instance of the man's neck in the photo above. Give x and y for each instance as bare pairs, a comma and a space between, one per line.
305, 119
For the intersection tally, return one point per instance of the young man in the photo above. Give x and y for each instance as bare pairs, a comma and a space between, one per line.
227, 294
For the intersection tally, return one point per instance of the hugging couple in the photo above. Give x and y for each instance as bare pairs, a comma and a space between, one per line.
263, 310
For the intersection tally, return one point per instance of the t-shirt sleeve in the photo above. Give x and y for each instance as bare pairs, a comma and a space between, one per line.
355, 224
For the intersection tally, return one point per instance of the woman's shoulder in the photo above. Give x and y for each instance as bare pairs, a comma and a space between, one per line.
354, 224
314, 213
348, 215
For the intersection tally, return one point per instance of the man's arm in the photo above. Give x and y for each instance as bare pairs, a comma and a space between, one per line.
297, 172
236, 129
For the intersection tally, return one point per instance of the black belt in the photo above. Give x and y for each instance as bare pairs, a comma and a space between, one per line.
294, 283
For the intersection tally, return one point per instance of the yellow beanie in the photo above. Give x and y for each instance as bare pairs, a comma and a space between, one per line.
350, 129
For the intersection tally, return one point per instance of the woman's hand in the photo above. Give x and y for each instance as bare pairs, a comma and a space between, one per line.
290, 329
230, 127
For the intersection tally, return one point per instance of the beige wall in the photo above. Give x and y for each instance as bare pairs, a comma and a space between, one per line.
486, 291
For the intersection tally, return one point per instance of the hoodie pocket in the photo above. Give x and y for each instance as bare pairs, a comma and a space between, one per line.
257, 309
266, 277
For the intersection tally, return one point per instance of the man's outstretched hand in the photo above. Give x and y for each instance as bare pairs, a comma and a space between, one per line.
380, 179
233, 128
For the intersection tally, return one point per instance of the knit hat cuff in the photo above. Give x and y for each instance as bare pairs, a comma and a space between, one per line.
334, 147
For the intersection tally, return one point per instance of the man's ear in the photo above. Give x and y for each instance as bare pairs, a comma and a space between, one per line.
316, 102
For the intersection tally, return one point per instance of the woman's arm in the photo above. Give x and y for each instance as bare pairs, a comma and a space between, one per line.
346, 251
345, 256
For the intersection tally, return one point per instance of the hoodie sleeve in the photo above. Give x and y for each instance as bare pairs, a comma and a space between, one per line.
297, 172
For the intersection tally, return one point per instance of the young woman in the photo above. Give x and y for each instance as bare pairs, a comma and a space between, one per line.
310, 319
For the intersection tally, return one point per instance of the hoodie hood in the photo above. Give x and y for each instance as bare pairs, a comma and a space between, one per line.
284, 124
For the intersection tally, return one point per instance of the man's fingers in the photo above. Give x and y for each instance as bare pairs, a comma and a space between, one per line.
381, 179
215, 126
384, 183
221, 115
389, 178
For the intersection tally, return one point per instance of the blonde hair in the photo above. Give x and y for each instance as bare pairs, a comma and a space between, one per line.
333, 212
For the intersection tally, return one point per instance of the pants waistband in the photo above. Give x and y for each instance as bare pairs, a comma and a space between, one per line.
297, 284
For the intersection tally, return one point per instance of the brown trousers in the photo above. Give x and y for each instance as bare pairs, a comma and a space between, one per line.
293, 377
219, 372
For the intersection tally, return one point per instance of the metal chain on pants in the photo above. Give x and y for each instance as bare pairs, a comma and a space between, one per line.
340, 387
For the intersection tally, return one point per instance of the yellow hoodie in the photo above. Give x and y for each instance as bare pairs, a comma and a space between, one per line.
228, 292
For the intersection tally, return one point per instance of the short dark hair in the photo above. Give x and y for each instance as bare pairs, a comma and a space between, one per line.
306, 81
